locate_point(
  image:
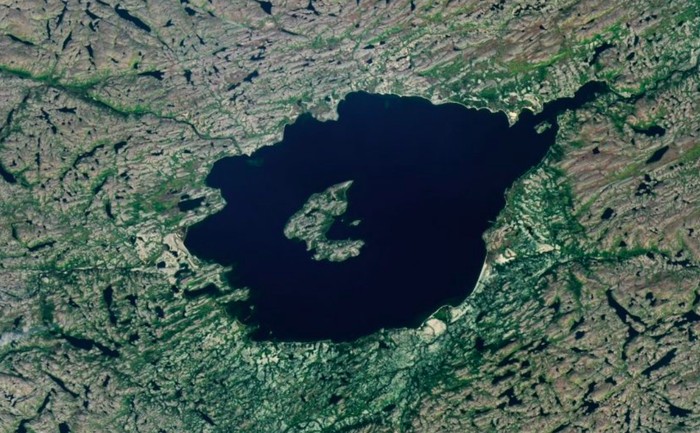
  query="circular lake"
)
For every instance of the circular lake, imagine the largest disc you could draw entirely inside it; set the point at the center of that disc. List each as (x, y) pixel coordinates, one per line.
(427, 181)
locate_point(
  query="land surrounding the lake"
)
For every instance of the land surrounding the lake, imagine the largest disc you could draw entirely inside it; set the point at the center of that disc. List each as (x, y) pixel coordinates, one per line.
(586, 317)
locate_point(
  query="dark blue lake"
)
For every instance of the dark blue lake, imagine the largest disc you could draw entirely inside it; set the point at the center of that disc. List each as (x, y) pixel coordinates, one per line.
(427, 182)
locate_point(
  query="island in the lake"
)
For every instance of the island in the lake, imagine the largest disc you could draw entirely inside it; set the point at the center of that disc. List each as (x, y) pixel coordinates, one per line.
(312, 222)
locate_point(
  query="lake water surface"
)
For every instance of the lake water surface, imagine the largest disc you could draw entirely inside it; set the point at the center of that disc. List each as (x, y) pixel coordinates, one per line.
(428, 180)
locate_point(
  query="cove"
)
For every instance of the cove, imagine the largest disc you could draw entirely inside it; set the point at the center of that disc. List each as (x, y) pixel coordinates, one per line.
(413, 187)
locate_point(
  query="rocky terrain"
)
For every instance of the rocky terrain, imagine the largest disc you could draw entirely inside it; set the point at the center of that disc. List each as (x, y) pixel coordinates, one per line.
(586, 316)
